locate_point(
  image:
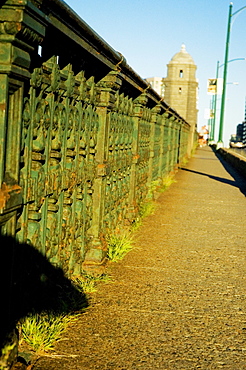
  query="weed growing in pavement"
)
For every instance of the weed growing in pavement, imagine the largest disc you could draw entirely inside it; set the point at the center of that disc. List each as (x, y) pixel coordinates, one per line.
(118, 246)
(148, 206)
(185, 161)
(166, 182)
(87, 283)
(5, 355)
(136, 224)
(160, 185)
(41, 331)
(146, 209)
(152, 188)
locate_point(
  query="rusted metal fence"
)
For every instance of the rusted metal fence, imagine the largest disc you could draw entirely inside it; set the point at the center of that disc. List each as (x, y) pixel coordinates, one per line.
(82, 135)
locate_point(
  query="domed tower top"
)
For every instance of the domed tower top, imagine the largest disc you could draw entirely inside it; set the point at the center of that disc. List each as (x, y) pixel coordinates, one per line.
(181, 86)
(182, 57)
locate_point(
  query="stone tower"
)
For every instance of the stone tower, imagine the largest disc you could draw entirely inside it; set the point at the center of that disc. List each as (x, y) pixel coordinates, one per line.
(181, 87)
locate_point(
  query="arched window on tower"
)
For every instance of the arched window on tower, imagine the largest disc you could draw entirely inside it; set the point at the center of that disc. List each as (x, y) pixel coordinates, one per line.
(180, 90)
(181, 73)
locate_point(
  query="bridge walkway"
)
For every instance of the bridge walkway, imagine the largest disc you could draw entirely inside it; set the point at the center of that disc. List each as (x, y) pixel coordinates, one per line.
(178, 300)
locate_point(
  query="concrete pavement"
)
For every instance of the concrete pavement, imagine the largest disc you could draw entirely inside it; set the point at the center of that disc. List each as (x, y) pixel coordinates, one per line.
(178, 300)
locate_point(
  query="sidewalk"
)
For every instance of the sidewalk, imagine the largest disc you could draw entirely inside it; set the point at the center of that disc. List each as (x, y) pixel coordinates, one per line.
(178, 300)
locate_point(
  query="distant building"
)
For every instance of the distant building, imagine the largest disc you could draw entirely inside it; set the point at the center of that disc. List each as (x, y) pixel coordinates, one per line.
(240, 130)
(244, 126)
(244, 132)
(181, 86)
(156, 84)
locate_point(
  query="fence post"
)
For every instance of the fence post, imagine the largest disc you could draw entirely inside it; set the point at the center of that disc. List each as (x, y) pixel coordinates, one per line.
(19, 37)
(139, 104)
(154, 151)
(107, 88)
(163, 148)
(176, 143)
(170, 143)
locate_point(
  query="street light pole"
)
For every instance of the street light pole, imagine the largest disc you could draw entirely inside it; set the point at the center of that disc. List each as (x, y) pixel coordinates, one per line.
(222, 110)
(215, 104)
(212, 136)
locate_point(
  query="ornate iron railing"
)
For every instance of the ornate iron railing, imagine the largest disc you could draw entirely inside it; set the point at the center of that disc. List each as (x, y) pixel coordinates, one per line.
(82, 135)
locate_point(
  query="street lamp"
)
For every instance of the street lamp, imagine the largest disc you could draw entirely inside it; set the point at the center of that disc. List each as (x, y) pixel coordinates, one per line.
(222, 110)
(214, 103)
(214, 100)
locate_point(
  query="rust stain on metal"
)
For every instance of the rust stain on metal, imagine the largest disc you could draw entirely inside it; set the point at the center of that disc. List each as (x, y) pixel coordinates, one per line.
(5, 192)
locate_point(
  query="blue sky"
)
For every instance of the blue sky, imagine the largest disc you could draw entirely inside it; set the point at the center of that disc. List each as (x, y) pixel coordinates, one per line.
(149, 32)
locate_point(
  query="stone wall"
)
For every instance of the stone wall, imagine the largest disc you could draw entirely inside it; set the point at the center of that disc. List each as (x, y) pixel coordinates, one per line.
(235, 159)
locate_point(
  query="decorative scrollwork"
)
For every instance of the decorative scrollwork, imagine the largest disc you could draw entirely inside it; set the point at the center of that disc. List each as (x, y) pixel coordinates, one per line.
(59, 145)
(10, 28)
(88, 152)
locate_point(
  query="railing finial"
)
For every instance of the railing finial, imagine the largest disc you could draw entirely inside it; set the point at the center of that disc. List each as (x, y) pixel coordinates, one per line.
(122, 59)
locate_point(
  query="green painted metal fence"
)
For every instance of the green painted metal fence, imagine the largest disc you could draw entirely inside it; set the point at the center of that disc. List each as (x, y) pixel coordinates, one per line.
(82, 135)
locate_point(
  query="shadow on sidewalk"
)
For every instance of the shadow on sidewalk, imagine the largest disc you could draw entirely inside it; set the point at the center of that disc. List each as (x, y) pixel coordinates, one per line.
(30, 284)
(239, 182)
(239, 179)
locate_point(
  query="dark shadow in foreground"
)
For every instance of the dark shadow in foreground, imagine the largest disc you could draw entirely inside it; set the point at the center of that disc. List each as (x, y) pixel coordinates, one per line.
(30, 284)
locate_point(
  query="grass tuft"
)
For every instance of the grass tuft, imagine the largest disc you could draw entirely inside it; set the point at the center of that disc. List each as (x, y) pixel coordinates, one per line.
(153, 187)
(87, 283)
(185, 161)
(136, 224)
(167, 181)
(147, 208)
(41, 331)
(119, 246)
